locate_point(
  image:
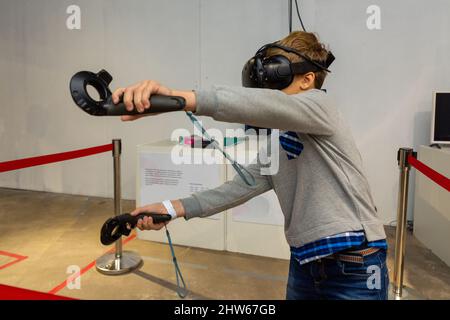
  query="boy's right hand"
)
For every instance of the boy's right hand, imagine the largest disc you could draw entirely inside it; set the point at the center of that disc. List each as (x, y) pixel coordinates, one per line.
(138, 96)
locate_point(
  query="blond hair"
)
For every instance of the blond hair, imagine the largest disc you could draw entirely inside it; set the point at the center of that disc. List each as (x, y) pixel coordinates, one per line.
(308, 44)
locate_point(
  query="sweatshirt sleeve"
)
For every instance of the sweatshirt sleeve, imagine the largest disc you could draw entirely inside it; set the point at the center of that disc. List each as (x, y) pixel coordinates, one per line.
(308, 112)
(230, 194)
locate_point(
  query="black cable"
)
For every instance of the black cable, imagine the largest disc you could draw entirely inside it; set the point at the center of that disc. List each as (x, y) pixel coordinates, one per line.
(290, 16)
(299, 17)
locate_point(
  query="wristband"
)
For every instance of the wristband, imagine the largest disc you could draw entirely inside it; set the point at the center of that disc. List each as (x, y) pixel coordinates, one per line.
(170, 210)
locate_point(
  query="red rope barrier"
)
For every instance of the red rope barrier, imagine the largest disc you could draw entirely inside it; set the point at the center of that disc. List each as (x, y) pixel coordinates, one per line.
(51, 158)
(441, 180)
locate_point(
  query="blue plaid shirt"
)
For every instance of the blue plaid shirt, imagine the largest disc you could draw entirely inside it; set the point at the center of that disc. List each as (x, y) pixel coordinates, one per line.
(321, 248)
(333, 244)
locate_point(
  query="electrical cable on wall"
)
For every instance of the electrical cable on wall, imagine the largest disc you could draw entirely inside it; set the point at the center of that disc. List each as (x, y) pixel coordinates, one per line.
(290, 15)
(298, 15)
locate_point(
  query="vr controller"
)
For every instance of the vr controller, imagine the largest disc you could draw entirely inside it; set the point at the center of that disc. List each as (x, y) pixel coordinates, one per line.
(105, 107)
(122, 225)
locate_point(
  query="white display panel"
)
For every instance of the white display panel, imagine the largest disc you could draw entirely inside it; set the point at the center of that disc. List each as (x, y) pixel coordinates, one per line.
(159, 178)
(432, 204)
(264, 209)
(257, 226)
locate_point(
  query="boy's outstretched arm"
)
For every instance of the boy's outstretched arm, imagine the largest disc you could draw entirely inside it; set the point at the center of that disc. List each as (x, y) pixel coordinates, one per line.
(206, 203)
(230, 194)
(307, 112)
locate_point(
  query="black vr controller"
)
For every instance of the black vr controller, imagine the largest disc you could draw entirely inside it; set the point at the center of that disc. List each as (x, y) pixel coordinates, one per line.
(122, 225)
(105, 107)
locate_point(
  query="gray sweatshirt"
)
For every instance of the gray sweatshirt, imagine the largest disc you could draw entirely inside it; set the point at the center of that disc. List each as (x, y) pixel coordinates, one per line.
(322, 192)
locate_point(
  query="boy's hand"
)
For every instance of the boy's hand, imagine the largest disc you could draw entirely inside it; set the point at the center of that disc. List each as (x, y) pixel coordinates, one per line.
(138, 96)
(147, 222)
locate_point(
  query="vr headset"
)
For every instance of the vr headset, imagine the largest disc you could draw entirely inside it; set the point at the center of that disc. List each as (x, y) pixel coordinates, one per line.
(277, 72)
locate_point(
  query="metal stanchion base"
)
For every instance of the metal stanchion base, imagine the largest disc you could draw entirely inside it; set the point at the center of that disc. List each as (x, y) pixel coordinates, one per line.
(110, 265)
(407, 294)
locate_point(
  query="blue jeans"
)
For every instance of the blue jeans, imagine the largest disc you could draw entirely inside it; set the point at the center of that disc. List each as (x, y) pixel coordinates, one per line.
(336, 280)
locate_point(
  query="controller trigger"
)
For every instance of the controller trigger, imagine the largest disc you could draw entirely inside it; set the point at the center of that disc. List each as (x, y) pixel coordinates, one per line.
(105, 76)
(122, 225)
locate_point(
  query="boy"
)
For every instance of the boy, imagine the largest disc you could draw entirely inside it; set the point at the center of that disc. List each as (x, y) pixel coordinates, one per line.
(338, 247)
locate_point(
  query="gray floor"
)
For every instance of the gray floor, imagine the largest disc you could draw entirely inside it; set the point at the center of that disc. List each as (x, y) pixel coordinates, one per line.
(55, 231)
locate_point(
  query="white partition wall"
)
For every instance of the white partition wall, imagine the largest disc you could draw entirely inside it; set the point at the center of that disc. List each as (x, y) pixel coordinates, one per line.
(193, 44)
(158, 179)
(432, 204)
(257, 226)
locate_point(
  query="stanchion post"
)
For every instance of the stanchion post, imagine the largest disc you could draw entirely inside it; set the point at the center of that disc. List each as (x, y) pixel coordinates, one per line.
(117, 151)
(400, 233)
(120, 261)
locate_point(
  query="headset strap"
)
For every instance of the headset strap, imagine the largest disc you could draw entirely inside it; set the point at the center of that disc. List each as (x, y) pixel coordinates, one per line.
(304, 67)
(319, 66)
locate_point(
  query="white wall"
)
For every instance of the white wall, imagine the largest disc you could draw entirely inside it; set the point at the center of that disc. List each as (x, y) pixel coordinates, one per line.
(382, 79)
(177, 42)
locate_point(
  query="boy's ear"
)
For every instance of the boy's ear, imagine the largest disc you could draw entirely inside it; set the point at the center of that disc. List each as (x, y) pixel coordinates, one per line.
(307, 80)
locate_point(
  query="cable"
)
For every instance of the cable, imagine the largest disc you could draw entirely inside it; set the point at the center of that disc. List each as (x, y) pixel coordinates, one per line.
(245, 175)
(290, 16)
(178, 274)
(299, 17)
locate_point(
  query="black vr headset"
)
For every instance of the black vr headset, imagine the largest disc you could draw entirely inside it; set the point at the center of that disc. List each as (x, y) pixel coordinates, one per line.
(277, 72)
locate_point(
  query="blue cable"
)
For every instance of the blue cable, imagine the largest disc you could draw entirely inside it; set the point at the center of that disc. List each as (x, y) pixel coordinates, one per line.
(178, 273)
(239, 169)
(245, 175)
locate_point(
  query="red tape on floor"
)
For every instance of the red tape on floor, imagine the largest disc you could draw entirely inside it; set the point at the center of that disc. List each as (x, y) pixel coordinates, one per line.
(438, 178)
(13, 293)
(71, 278)
(51, 158)
(17, 258)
